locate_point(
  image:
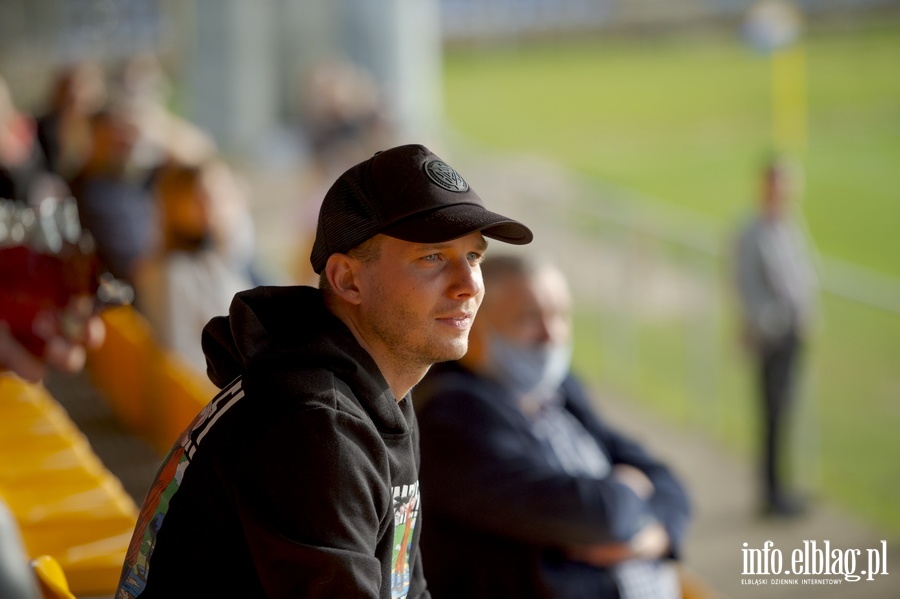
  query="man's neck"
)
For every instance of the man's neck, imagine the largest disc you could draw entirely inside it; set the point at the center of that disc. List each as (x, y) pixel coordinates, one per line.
(400, 377)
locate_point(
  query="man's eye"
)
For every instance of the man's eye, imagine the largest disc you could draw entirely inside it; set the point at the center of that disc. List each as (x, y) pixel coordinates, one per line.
(475, 257)
(431, 257)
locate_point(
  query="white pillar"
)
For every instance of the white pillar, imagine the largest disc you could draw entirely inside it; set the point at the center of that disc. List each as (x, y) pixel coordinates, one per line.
(231, 72)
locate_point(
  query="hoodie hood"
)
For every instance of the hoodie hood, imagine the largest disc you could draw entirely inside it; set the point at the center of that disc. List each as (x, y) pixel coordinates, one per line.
(283, 333)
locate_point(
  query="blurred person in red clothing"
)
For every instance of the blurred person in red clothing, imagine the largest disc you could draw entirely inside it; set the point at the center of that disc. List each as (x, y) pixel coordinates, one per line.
(50, 289)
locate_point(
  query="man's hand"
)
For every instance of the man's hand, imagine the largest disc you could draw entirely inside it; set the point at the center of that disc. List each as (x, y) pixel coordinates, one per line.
(652, 542)
(634, 479)
(67, 338)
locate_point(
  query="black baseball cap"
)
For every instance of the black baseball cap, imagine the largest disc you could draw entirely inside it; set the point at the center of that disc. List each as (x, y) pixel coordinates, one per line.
(408, 193)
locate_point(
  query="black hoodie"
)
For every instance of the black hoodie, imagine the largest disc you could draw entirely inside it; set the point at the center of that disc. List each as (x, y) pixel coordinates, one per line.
(300, 479)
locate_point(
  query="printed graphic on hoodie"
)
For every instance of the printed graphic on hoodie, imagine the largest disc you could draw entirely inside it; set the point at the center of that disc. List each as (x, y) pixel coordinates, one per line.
(406, 512)
(153, 512)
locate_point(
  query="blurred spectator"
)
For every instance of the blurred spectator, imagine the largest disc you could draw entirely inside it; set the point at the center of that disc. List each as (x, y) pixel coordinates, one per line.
(191, 278)
(41, 326)
(343, 115)
(24, 176)
(50, 290)
(143, 86)
(775, 283)
(233, 227)
(528, 492)
(344, 122)
(115, 202)
(64, 128)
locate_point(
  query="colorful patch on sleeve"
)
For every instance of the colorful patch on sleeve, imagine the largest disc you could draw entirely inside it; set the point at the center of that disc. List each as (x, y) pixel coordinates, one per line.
(136, 568)
(406, 512)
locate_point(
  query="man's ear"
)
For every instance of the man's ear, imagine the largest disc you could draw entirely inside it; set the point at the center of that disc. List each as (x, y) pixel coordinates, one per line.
(341, 271)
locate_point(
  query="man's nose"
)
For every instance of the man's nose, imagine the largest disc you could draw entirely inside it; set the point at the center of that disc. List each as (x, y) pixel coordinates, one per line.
(467, 281)
(544, 331)
(553, 328)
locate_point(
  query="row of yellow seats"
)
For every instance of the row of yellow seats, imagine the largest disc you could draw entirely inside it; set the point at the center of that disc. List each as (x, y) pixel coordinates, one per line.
(66, 503)
(152, 392)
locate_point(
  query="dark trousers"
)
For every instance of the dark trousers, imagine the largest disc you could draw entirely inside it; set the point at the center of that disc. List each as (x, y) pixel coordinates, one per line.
(778, 367)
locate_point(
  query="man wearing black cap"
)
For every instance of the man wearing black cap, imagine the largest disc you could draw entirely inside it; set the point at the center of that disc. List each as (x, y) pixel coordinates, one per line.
(300, 478)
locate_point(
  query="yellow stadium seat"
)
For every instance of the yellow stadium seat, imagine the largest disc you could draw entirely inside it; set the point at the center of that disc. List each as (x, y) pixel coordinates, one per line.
(153, 392)
(28, 409)
(120, 368)
(94, 568)
(693, 586)
(52, 581)
(181, 393)
(66, 504)
(61, 465)
(78, 499)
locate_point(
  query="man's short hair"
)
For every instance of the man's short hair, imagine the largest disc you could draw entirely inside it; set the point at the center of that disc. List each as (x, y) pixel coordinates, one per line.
(366, 252)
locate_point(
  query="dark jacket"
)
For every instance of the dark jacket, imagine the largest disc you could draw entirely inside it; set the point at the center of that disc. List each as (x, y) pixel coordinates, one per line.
(499, 511)
(300, 479)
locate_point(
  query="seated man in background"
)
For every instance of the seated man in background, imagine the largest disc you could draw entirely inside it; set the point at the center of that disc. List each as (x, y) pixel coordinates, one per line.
(528, 492)
(190, 278)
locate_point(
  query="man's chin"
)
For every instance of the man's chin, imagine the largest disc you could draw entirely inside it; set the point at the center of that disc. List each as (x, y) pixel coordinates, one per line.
(452, 351)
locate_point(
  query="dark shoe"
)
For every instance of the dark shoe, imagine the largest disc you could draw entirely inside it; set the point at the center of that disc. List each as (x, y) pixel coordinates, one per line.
(785, 507)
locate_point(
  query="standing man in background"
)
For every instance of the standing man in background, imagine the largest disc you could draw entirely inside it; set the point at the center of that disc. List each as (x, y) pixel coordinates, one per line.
(776, 284)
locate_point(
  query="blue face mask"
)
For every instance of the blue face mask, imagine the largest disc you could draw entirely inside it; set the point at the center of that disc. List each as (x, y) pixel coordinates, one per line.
(532, 373)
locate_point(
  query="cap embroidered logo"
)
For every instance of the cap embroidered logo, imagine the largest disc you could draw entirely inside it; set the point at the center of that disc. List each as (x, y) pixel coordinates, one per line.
(445, 176)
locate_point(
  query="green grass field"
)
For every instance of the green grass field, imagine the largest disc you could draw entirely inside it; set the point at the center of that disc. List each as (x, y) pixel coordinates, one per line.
(688, 121)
